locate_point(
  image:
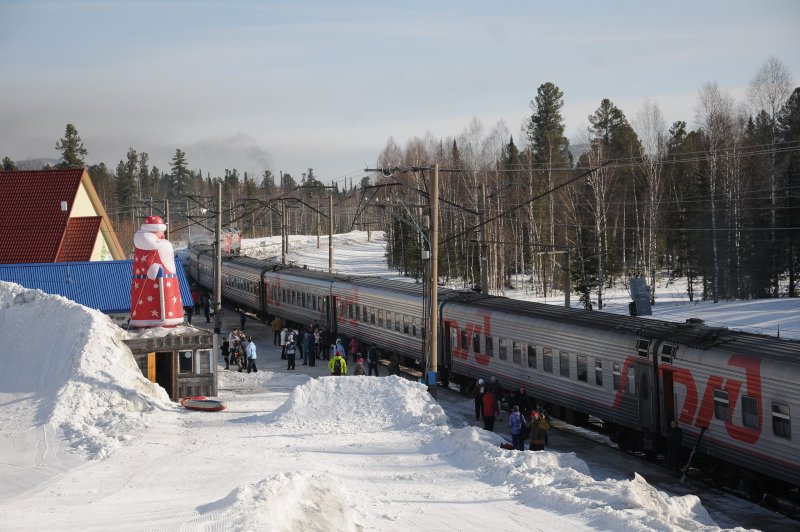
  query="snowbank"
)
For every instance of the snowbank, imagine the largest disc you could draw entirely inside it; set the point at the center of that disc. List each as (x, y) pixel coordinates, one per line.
(77, 374)
(563, 483)
(354, 405)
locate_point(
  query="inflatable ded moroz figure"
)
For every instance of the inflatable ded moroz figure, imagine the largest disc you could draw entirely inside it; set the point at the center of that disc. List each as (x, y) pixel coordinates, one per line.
(155, 293)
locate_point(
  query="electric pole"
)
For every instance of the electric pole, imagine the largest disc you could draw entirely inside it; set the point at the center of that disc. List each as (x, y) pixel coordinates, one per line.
(330, 233)
(433, 326)
(483, 246)
(218, 263)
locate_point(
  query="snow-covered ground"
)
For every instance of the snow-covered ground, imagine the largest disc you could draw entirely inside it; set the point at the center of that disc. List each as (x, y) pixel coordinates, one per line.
(87, 443)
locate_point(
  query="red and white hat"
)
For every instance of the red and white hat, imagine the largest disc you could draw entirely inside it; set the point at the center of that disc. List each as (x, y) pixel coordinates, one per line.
(154, 224)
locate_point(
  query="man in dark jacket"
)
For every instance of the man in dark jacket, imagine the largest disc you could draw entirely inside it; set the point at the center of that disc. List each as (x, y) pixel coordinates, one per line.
(372, 360)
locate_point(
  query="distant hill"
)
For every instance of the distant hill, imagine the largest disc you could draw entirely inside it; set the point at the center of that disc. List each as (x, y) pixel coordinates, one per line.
(36, 164)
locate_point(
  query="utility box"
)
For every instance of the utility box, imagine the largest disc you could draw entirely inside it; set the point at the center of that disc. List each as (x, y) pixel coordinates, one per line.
(640, 292)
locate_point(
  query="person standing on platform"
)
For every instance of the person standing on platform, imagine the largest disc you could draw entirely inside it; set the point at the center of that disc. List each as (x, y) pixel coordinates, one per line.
(250, 350)
(277, 325)
(489, 406)
(242, 319)
(308, 342)
(478, 392)
(337, 365)
(372, 360)
(291, 350)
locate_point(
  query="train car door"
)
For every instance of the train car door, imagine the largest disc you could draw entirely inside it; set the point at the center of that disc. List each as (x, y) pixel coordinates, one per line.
(330, 313)
(648, 401)
(668, 399)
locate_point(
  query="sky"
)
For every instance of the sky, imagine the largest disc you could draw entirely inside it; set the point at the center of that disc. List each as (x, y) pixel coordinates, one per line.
(292, 85)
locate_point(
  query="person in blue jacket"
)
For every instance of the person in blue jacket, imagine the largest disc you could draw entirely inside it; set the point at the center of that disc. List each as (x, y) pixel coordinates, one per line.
(250, 351)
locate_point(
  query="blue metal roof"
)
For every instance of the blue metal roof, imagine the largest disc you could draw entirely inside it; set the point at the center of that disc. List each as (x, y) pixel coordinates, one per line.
(102, 285)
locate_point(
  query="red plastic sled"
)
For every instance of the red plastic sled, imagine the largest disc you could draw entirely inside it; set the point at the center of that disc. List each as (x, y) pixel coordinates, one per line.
(203, 403)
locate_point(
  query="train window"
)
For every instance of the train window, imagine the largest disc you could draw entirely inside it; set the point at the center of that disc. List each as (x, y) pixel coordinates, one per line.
(283, 295)
(502, 344)
(781, 422)
(598, 371)
(721, 405)
(476, 342)
(464, 344)
(615, 371)
(406, 324)
(583, 371)
(531, 356)
(389, 320)
(372, 316)
(417, 327)
(517, 352)
(314, 303)
(358, 312)
(632, 381)
(303, 300)
(490, 347)
(667, 353)
(380, 318)
(642, 347)
(750, 412)
(453, 339)
(547, 360)
(563, 364)
(365, 314)
(397, 323)
(350, 311)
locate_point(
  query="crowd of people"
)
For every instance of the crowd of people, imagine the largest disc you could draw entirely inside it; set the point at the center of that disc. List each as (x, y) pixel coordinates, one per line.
(527, 421)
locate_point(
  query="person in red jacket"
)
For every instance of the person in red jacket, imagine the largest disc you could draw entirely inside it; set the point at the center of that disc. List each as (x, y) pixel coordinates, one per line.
(489, 410)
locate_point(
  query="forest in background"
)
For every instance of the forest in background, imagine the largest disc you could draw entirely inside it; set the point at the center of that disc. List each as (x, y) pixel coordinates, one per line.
(718, 204)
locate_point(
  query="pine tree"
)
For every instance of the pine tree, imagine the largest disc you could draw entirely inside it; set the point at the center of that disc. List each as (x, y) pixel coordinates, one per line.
(8, 164)
(71, 148)
(180, 175)
(789, 162)
(267, 184)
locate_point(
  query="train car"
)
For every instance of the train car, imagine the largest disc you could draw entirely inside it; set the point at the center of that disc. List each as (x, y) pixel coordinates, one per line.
(300, 296)
(740, 391)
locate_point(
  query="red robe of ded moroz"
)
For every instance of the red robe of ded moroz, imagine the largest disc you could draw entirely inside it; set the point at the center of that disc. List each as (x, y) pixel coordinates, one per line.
(155, 293)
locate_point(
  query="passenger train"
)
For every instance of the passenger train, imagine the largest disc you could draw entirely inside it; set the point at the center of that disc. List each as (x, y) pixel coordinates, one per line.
(735, 395)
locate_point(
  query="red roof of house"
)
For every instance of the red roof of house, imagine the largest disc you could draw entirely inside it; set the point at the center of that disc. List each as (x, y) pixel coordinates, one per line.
(32, 224)
(79, 239)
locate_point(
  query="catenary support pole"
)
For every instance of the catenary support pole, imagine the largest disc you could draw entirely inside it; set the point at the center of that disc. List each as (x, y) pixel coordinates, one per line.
(218, 263)
(433, 326)
(330, 233)
(484, 247)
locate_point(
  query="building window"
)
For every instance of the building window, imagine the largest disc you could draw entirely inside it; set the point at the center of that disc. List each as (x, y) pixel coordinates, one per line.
(503, 348)
(583, 372)
(531, 356)
(750, 412)
(721, 405)
(547, 360)
(563, 363)
(489, 346)
(185, 361)
(598, 371)
(615, 371)
(781, 422)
